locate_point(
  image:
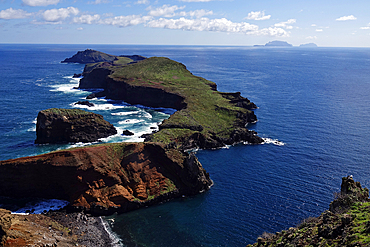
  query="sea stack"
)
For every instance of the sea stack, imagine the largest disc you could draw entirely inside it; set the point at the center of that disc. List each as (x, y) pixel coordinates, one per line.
(71, 126)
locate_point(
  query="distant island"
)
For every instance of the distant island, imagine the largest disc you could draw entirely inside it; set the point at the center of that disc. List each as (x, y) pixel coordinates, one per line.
(277, 43)
(308, 45)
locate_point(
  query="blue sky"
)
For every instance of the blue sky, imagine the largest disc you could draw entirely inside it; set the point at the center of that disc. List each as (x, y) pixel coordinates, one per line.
(186, 22)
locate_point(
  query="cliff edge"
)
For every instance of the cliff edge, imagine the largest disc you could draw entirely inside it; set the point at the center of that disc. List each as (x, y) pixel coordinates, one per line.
(346, 223)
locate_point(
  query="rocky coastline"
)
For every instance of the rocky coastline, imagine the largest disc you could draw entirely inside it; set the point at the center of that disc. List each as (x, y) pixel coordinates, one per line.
(107, 178)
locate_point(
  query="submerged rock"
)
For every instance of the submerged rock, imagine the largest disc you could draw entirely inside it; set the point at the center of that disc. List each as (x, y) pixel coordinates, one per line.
(87, 103)
(127, 133)
(71, 125)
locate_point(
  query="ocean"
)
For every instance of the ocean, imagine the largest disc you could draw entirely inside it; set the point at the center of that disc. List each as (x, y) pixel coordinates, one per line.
(313, 112)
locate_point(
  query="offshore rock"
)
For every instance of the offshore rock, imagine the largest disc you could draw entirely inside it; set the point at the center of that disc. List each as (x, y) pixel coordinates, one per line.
(106, 178)
(86, 103)
(71, 125)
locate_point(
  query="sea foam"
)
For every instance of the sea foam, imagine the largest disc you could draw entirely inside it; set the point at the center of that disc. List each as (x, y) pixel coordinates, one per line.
(273, 141)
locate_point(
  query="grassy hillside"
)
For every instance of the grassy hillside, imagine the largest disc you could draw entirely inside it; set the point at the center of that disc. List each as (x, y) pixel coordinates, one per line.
(207, 110)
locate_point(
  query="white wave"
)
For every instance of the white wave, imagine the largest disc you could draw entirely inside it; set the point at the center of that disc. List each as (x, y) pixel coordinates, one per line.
(131, 121)
(273, 141)
(80, 144)
(33, 129)
(147, 114)
(115, 240)
(67, 88)
(41, 206)
(125, 113)
(99, 107)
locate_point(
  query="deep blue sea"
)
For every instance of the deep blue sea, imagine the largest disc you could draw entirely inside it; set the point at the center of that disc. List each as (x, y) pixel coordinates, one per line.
(313, 110)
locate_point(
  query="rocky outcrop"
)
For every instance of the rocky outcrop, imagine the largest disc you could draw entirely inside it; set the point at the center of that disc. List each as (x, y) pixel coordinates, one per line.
(71, 125)
(86, 103)
(346, 223)
(95, 79)
(106, 178)
(239, 101)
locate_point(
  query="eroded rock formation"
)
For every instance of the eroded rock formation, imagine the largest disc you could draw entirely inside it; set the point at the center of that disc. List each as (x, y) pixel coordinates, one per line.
(106, 178)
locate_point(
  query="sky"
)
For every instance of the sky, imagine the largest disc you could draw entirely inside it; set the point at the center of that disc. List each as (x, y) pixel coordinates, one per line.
(333, 23)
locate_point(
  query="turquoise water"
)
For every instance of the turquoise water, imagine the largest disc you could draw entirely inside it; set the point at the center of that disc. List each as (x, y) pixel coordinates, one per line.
(313, 108)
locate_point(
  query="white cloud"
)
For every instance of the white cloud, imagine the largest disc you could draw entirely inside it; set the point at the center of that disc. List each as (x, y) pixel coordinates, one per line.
(258, 16)
(319, 30)
(286, 24)
(193, 1)
(56, 15)
(216, 25)
(86, 19)
(14, 14)
(346, 18)
(99, 2)
(40, 2)
(142, 2)
(165, 10)
(196, 13)
(365, 28)
(313, 25)
(203, 24)
(311, 37)
(80, 29)
(125, 21)
(271, 31)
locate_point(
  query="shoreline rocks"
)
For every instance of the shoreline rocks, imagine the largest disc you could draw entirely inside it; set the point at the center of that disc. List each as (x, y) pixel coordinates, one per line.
(52, 229)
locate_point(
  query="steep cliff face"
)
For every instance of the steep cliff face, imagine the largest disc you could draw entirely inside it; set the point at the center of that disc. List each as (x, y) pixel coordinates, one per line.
(346, 223)
(71, 125)
(106, 178)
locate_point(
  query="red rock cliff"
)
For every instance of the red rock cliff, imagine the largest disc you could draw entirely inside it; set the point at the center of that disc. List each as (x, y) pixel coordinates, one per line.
(106, 178)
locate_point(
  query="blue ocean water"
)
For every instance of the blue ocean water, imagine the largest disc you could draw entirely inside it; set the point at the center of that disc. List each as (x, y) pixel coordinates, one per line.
(313, 109)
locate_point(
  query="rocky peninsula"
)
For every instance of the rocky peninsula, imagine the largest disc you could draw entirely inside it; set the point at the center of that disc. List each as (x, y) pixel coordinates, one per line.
(205, 117)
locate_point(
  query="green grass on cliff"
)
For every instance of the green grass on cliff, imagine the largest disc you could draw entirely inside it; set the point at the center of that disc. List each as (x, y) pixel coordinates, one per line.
(66, 112)
(205, 107)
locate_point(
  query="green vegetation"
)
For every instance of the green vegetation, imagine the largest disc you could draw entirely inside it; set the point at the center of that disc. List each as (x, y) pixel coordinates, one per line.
(207, 111)
(66, 112)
